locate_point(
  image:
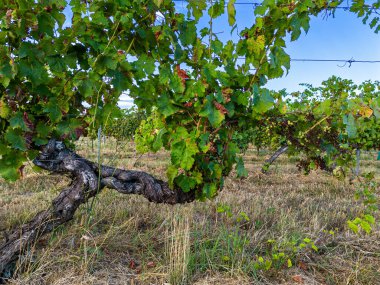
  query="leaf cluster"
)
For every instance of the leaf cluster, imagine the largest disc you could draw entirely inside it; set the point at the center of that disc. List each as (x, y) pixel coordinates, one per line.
(62, 78)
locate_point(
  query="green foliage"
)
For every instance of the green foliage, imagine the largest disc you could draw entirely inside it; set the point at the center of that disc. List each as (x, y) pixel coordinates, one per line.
(61, 82)
(125, 125)
(368, 194)
(273, 255)
(365, 11)
(325, 125)
(148, 136)
(231, 12)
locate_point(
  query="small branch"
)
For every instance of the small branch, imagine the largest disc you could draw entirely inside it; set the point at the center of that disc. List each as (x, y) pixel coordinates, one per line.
(316, 124)
(210, 35)
(269, 161)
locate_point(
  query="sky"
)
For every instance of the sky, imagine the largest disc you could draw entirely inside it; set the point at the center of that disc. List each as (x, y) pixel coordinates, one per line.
(341, 37)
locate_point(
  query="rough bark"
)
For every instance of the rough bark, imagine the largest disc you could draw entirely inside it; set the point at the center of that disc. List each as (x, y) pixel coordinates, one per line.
(274, 156)
(88, 178)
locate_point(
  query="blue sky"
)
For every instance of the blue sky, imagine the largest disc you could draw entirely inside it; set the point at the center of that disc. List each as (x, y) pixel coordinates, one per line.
(341, 37)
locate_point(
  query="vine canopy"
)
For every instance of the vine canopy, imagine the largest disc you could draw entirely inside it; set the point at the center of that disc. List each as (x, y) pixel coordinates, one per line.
(61, 81)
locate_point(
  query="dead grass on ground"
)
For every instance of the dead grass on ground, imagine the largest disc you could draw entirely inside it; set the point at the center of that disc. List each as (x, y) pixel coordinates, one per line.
(127, 240)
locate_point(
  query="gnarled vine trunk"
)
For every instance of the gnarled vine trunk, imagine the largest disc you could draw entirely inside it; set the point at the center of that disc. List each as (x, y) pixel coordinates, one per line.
(88, 179)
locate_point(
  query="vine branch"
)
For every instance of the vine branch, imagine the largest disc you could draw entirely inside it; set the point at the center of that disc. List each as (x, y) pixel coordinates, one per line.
(88, 179)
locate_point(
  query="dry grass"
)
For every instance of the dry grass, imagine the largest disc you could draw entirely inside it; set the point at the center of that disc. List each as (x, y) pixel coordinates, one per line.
(177, 246)
(127, 240)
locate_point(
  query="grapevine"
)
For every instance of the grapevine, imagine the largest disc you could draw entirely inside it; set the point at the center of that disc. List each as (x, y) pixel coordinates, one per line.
(59, 82)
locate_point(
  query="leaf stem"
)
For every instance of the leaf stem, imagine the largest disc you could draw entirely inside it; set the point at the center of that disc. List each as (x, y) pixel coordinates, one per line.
(316, 124)
(210, 35)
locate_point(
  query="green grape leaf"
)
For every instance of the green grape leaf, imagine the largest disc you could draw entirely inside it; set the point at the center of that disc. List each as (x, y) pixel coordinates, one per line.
(46, 24)
(216, 9)
(171, 173)
(104, 63)
(262, 102)
(366, 226)
(34, 70)
(157, 143)
(17, 122)
(185, 182)
(255, 46)
(5, 111)
(59, 17)
(231, 12)
(86, 88)
(5, 74)
(243, 98)
(15, 138)
(216, 170)
(260, 10)
(56, 63)
(158, 2)
(214, 115)
(203, 144)
(350, 123)
(370, 219)
(240, 169)
(165, 106)
(209, 190)
(176, 84)
(188, 33)
(353, 226)
(196, 7)
(53, 110)
(182, 153)
(9, 165)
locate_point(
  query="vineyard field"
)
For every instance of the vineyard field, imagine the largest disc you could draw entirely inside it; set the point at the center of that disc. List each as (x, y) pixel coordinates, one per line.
(282, 227)
(234, 181)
